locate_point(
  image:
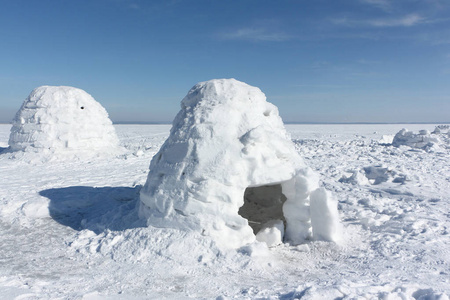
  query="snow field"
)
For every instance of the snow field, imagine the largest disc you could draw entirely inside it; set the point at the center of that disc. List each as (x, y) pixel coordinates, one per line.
(67, 228)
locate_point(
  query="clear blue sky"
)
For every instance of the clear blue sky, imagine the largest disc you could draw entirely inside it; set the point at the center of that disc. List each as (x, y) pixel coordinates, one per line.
(318, 61)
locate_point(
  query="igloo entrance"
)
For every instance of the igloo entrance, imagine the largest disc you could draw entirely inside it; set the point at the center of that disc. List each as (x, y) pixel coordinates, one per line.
(263, 204)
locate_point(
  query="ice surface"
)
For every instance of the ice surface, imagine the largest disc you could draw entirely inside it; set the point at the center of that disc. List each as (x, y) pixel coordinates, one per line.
(66, 229)
(227, 138)
(60, 119)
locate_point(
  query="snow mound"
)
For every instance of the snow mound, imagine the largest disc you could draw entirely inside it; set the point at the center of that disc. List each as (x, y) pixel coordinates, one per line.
(374, 175)
(271, 233)
(226, 142)
(62, 119)
(439, 138)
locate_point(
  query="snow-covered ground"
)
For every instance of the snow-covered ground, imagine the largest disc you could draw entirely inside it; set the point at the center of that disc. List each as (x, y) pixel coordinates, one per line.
(69, 229)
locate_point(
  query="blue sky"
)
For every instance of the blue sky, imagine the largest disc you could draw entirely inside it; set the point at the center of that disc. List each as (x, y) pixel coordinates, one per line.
(318, 61)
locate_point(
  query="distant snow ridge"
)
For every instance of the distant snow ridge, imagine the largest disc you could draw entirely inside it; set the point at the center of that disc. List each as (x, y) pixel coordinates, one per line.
(439, 138)
(58, 119)
(230, 171)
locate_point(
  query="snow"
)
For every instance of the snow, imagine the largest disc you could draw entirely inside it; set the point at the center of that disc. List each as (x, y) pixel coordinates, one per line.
(324, 216)
(56, 120)
(68, 228)
(271, 233)
(225, 139)
(434, 141)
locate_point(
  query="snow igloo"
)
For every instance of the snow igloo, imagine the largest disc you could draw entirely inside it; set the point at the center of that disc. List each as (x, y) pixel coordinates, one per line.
(62, 119)
(230, 171)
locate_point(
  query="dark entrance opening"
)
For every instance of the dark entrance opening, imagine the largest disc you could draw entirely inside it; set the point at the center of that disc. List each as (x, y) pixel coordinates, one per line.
(262, 204)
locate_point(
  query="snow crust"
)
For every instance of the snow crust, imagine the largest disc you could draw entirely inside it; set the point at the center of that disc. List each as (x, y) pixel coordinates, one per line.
(61, 119)
(227, 138)
(69, 229)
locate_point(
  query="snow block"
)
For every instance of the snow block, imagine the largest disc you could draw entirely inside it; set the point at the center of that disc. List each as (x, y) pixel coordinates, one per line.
(425, 140)
(229, 167)
(62, 119)
(271, 233)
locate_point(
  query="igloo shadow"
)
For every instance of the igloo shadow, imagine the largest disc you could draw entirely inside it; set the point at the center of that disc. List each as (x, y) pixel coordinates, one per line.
(94, 208)
(229, 170)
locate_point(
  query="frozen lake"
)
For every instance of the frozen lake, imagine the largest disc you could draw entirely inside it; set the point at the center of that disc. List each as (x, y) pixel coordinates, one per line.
(65, 230)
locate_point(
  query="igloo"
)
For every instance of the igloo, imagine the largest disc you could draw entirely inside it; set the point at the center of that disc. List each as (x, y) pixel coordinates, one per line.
(230, 171)
(62, 119)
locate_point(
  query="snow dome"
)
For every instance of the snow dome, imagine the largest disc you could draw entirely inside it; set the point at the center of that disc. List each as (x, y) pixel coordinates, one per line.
(230, 171)
(62, 119)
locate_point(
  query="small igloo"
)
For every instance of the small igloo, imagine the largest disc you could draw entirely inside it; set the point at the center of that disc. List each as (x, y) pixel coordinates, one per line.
(59, 119)
(230, 171)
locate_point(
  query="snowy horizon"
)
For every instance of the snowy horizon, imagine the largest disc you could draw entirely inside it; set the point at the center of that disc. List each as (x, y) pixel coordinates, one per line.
(289, 123)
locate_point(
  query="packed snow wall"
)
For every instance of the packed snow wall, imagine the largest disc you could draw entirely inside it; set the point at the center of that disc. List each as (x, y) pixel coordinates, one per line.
(62, 118)
(228, 141)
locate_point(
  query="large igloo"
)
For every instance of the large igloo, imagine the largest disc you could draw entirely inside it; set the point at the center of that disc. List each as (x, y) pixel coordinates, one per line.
(230, 171)
(62, 119)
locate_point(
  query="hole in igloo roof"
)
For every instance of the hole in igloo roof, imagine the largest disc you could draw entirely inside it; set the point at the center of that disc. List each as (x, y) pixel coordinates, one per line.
(263, 204)
(82, 107)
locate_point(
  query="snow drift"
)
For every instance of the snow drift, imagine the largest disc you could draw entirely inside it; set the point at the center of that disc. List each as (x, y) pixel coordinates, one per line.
(59, 119)
(436, 140)
(230, 171)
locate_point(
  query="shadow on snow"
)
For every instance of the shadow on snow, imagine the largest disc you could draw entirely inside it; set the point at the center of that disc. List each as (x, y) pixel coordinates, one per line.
(95, 208)
(3, 149)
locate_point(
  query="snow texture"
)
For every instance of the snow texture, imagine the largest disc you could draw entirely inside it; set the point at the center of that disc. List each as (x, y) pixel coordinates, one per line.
(271, 233)
(69, 229)
(434, 141)
(225, 139)
(61, 119)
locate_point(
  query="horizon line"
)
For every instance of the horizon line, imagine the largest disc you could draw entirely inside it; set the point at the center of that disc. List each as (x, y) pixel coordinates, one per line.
(288, 123)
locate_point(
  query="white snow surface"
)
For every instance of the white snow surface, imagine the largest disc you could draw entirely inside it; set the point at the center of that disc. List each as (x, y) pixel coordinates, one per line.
(68, 229)
(227, 138)
(62, 120)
